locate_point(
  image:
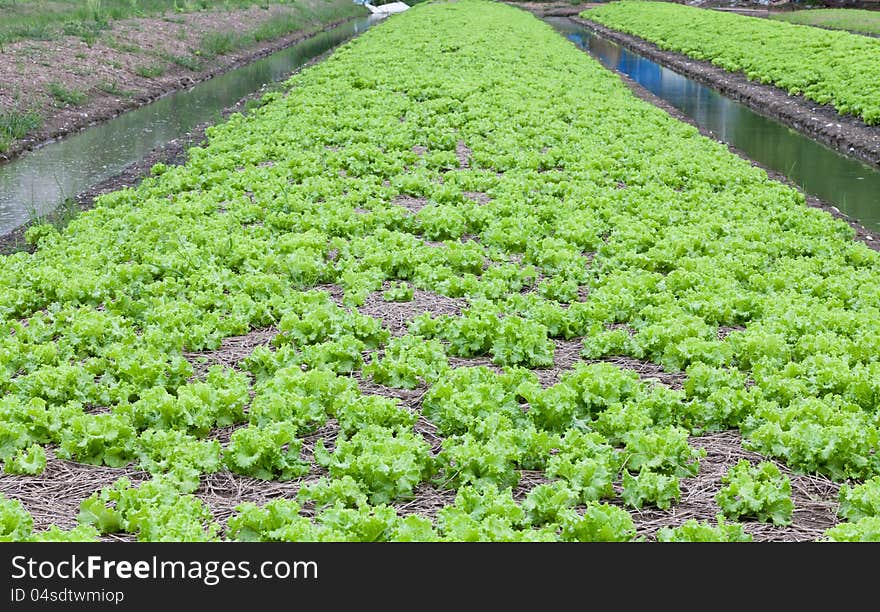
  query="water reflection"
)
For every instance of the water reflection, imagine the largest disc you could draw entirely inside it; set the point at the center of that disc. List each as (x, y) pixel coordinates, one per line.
(844, 182)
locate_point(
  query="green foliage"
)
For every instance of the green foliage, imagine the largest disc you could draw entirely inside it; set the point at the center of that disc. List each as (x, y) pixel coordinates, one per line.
(650, 487)
(375, 410)
(98, 439)
(759, 491)
(270, 452)
(16, 523)
(662, 450)
(156, 511)
(30, 460)
(701, 531)
(487, 514)
(281, 226)
(181, 456)
(220, 43)
(150, 72)
(547, 503)
(16, 124)
(64, 95)
(587, 463)
(821, 435)
(325, 492)
(281, 521)
(398, 292)
(269, 523)
(860, 501)
(598, 523)
(38, 232)
(388, 463)
(198, 406)
(854, 20)
(866, 529)
(312, 318)
(408, 362)
(467, 396)
(510, 340)
(80, 533)
(302, 398)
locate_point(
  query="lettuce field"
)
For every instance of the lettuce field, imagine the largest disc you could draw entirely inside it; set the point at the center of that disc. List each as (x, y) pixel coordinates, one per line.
(455, 282)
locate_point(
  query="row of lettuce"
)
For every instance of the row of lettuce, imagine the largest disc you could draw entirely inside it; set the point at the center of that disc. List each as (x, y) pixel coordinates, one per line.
(557, 206)
(828, 67)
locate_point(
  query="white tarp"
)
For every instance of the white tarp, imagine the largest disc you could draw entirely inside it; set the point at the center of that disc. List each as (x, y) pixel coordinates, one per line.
(391, 7)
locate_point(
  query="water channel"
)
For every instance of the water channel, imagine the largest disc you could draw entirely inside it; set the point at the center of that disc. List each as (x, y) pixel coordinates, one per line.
(38, 181)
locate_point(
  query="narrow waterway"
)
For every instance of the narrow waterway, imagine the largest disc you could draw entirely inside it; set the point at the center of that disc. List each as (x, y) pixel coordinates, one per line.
(38, 181)
(846, 183)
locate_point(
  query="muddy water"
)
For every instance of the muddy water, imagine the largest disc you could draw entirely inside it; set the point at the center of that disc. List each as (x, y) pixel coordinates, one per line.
(39, 181)
(846, 183)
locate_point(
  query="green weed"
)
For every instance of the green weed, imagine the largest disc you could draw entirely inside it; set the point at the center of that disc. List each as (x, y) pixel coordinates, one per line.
(66, 96)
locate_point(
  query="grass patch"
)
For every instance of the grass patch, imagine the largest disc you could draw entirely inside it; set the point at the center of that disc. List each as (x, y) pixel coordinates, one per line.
(854, 20)
(46, 19)
(184, 61)
(220, 43)
(112, 88)
(16, 124)
(66, 96)
(88, 31)
(124, 47)
(278, 27)
(150, 72)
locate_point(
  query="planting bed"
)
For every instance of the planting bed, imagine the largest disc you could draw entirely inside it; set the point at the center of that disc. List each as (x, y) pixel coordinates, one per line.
(456, 282)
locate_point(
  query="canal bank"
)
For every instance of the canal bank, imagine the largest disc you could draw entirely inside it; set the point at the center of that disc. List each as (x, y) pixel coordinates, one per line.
(823, 123)
(65, 177)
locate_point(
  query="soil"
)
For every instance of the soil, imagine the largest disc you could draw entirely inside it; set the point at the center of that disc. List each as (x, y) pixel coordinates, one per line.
(845, 133)
(28, 67)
